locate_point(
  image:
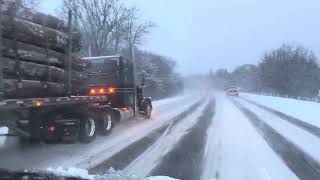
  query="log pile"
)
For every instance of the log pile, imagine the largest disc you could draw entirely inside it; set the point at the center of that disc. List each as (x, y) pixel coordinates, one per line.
(34, 54)
(29, 88)
(32, 16)
(35, 34)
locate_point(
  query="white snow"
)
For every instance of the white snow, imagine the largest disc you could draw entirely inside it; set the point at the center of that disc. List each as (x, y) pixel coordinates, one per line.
(303, 110)
(304, 140)
(152, 156)
(3, 130)
(160, 178)
(169, 100)
(129, 133)
(235, 150)
(110, 175)
(71, 171)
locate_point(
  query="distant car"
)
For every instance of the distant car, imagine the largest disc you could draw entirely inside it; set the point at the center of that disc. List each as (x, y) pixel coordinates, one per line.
(232, 92)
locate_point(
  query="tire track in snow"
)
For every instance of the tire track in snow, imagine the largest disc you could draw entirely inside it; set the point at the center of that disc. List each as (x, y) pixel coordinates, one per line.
(184, 161)
(301, 163)
(297, 122)
(123, 158)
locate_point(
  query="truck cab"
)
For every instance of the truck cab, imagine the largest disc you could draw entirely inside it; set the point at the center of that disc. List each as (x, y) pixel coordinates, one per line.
(113, 76)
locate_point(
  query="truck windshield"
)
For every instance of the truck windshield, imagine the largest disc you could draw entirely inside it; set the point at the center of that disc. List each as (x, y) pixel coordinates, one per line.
(103, 72)
(103, 67)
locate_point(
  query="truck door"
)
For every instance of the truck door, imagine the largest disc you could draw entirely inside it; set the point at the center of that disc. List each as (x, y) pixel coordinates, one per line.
(127, 81)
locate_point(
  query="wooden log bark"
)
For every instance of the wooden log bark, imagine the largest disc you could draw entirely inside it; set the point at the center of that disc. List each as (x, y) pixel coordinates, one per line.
(33, 71)
(33, 16)
(32, 53)
(35, 34)
(32, 89)
(36, 54)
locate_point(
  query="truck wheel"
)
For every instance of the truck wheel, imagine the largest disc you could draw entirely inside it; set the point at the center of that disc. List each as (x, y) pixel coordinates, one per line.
(148, 111)
(87, 129)
(108, 124)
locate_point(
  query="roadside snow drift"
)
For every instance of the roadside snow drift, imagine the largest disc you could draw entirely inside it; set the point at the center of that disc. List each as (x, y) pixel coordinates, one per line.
(110, 175)
(303, 110)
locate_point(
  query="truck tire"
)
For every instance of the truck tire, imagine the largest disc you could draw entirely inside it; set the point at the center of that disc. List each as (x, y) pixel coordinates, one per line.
(107, 124)
(147, 111)
(88, 129)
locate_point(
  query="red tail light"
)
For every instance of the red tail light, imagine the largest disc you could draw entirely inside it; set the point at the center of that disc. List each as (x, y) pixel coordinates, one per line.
(38, 103)
(52, 129)
(92, 91)
(111, 90)
(101, 91)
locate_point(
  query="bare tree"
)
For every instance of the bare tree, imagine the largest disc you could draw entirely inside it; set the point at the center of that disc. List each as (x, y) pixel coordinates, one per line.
(107, 25)
(97, 19)
(30, 3)
(137, 28)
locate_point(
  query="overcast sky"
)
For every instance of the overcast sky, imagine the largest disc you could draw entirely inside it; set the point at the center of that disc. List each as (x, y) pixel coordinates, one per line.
(211, 34)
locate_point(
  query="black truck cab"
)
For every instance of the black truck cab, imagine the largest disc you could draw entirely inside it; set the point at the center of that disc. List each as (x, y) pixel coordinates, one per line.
(111, 76)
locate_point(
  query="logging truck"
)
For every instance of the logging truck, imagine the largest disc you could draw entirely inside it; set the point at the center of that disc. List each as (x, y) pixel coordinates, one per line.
(109, 97)
(46, 93)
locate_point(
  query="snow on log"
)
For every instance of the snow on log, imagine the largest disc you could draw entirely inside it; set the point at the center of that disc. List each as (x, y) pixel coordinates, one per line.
(31, 53)
(29, 70)
(39, 55)
(35, 34)
(33, 71)
(34, 16)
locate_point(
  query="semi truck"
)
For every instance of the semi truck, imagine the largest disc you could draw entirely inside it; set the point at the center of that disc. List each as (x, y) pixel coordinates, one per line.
(48, 94)
(110, 96)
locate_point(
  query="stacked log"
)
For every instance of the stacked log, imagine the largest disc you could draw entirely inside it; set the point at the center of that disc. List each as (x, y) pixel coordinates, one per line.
(35, 17)
(31, 53)
(33, 71)
(15, 89)
(34, 54)
(35, 34)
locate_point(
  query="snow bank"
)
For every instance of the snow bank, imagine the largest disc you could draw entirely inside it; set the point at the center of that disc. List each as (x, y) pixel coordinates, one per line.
(160, 178)
(303, 110)
(110, 175)
(3, 130)
(83, 173)
(169, 100)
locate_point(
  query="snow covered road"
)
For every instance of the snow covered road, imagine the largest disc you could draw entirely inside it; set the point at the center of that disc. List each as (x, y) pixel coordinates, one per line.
(217, 138)
(41, 156)
(288, 142)
(295, 141)
(235, 150)
(303, 110)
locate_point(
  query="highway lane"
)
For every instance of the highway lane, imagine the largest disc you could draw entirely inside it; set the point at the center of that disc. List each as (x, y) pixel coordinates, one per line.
(41, 156)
